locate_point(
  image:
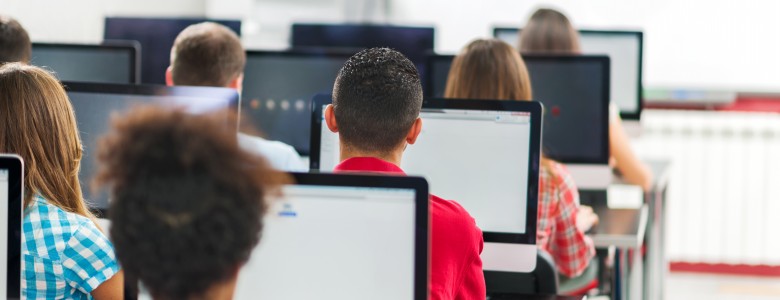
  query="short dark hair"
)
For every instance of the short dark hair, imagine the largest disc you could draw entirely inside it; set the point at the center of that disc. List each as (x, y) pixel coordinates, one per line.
(376, 99)
(15, 45)
(187, 202)
(207, 54)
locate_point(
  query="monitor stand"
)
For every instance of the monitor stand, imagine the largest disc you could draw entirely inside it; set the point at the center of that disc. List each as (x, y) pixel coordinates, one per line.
(507, 257)
(590, 176)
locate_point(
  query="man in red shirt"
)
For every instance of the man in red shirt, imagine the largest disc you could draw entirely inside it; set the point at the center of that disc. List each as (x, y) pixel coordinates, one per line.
(377, 99)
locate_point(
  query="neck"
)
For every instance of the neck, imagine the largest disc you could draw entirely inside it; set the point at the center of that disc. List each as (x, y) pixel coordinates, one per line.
(393, 157)
(221, 291)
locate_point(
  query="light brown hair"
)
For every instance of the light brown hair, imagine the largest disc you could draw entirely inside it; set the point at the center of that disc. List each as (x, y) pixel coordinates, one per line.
(207, 54)
(37, 123)
(488, 69)
(549, 31)
(15, 45)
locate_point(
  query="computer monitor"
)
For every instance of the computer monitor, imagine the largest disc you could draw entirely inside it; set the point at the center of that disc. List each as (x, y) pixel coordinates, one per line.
(484, 155)
(624, 49)
(110, 62)
(278, 86)
(11, 197)
(156, 36)
(94, 105)
(342, 237)
(575, 91)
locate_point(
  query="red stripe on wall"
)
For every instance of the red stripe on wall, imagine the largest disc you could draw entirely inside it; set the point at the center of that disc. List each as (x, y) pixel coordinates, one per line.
(750, 270)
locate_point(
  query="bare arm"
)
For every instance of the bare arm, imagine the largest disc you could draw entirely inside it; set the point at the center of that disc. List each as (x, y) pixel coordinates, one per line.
(111, 289)
(629, 165)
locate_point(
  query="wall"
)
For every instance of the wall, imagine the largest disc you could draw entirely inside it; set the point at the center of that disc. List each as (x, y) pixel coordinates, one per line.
(717, 44)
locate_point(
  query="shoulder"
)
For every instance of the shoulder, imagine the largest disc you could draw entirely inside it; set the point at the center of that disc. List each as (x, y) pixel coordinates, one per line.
(49, 229)
(555, 179)
(453, 215)
(280, 155)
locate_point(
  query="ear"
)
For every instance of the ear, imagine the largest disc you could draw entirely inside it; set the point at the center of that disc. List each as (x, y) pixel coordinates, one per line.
(237, 83)
(169, 76)
(414, 132)
(330, 119)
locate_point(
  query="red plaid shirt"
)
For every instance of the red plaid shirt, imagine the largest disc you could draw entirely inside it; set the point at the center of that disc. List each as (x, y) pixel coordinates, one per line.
(557, 231)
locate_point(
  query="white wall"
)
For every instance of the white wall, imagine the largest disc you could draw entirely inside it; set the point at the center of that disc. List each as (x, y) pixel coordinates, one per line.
(82, 20)
(716, 44)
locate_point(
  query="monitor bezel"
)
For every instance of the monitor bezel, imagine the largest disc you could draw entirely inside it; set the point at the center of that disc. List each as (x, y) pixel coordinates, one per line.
(534, 156)
(134, 47)
(15, 166)
(603, 157)
(635, 115)
(422, 214)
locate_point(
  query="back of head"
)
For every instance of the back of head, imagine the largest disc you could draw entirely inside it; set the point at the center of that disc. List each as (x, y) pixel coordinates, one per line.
(549, 31)
(488, 69)
(37, 122)
(376, 99)
(187, 202)
(15, 45)
(207, 54)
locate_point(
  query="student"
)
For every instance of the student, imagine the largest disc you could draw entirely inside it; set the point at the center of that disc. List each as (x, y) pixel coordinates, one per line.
(187, 202)
(377, 100)
(64, 254)
(549, 31)
(15, 45)
(492, 69)
(210, 54)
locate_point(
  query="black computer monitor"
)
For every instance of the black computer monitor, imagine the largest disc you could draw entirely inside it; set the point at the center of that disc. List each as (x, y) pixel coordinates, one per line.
(624, 49)
(278, 87)
(156, 36)
(460, 138)
(11, 199)
(110, 62)
(342, 237)
(414, 42)
(94, 104)
(575, 91)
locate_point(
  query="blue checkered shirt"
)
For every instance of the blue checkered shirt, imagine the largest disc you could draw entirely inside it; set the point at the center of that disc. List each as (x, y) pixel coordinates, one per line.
(64, 255)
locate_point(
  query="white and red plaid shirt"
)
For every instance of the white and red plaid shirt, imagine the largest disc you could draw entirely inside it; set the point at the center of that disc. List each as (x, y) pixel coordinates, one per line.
(557, 231)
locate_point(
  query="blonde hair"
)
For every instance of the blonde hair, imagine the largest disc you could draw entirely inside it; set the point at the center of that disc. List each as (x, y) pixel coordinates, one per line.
(37, 123)
(549, 31)
(488, 69)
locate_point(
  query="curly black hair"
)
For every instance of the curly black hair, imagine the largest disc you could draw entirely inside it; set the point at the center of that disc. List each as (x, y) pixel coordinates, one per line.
(187, 202)
(376, 99)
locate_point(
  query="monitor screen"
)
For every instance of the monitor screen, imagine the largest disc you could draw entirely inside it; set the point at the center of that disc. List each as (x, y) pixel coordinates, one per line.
(11, 194)
(339, 242)
(624, 49)
(114, 63)
(277, 92)
(95, 104)
(575, 93)
(4, 198)
(156, 36)
(452, 151)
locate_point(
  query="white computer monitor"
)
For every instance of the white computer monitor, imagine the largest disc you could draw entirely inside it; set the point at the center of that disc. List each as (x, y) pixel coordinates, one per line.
(11, 193)
(484, 155)
(342, 237)
(624, 49)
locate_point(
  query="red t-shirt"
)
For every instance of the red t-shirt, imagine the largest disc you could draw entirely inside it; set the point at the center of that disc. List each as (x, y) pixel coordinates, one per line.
(456, 241)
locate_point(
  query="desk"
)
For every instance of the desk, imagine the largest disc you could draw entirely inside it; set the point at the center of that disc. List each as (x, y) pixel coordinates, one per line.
(631, 229)
(656, 265)
(623, 228)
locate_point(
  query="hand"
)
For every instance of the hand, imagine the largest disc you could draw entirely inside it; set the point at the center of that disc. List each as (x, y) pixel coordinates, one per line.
(586, 218)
